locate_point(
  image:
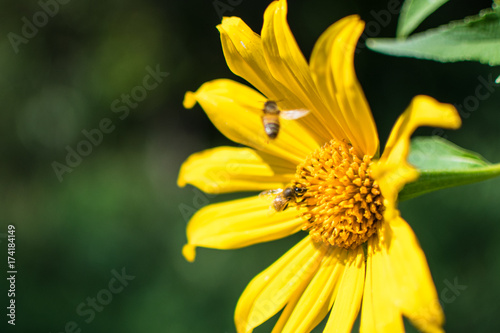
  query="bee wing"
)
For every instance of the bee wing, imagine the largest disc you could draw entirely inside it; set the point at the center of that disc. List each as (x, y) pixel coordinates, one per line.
(293, 114)
(270, 193)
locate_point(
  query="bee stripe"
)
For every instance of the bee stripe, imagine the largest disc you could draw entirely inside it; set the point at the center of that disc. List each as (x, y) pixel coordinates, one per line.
(272, 130)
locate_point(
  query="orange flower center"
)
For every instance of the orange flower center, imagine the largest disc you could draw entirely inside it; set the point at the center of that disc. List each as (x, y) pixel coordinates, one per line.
(344, 203)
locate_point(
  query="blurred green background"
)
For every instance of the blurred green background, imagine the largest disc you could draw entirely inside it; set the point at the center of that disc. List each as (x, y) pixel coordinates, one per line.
(118, 209)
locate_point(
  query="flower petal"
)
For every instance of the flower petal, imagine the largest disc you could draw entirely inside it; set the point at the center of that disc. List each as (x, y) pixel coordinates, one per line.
(346, 306)
(392, 171)
(230, 169)
(239, 223)
(379, 313)
(236, 110)
(288, 66)
(416, 294)
(332, 67)
(269, 291)
(245, 57)
(313, 303)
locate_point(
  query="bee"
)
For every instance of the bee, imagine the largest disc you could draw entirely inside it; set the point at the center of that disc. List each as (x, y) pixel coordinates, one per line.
(284, 197)
(272, 114)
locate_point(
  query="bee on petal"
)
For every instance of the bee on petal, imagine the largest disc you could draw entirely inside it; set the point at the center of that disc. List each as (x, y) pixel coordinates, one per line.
(272, 114)
(283, 197)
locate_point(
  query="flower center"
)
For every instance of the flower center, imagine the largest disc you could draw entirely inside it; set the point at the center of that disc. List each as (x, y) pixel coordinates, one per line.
(345, 206)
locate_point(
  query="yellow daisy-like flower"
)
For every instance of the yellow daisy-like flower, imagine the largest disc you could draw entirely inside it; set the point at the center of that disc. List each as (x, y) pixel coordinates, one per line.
(359, 252)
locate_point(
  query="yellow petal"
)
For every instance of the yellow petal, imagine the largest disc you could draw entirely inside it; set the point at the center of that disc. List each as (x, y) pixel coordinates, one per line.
(313, 303)
(392, 171)
(288, 66)
(346, 306)
(245, 57)
(332, 67)
(236, 110)
(416, 295)
(230, 169)
(378, 312)
(290, 306)
(239, 223)
(269, 291)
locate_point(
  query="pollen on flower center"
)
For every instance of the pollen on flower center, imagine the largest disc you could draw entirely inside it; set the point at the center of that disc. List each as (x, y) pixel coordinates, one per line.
(344, 203)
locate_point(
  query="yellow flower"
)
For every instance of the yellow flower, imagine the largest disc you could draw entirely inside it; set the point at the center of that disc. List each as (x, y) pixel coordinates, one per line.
(358, 253)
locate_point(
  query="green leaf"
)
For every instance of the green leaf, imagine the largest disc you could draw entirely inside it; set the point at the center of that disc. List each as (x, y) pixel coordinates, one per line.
(475, 38)
(442, 164)
(414, 12)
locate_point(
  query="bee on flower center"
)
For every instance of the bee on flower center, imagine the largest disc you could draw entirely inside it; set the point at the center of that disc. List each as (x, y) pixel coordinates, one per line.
(271, 117)
(284, 197)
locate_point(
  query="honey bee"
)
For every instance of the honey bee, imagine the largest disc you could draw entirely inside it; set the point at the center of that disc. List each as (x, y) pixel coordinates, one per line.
(284, 197)
(272, 114)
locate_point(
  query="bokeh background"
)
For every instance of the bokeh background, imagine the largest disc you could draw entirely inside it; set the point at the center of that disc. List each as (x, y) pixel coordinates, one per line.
(119, 207)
